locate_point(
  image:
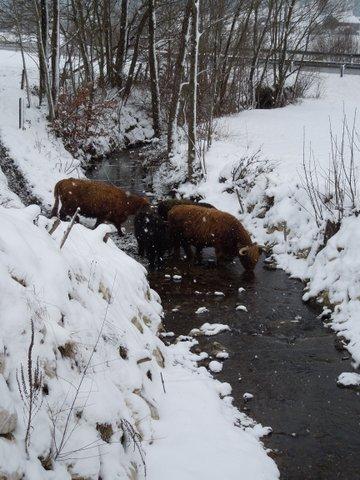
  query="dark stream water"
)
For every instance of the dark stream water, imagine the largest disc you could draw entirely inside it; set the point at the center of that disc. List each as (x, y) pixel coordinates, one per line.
(279, 351)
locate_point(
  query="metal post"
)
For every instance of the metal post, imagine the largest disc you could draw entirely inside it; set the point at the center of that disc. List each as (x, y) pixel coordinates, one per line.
(23, 79)
(20, 113)
(342, 70)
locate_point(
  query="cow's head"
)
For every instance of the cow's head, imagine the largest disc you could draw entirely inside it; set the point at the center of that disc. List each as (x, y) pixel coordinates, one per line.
(249, 256)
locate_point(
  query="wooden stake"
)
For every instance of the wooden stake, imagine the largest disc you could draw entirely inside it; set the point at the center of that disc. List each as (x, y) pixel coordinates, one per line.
(66, 234)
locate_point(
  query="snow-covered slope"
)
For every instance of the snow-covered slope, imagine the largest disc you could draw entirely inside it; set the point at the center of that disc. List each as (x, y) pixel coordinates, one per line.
(94, 319)
(80, 356)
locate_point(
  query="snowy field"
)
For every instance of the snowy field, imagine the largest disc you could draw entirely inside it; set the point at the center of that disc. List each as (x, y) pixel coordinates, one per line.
(85, 398)
(281, 136)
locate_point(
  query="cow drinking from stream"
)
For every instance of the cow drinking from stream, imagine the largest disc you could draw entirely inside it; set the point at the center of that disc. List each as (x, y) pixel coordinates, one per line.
(203, 227)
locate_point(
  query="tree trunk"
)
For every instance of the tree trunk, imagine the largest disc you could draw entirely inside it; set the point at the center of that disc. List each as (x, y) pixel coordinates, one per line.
(177, 84)
(55, 53)
(42, 12)
(79, 22)
(153, 67)
(130, 78)
(195, 5)
(121, 47)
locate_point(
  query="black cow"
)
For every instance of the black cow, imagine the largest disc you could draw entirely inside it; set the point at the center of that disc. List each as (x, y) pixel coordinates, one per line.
(164, 206)
(152, 235)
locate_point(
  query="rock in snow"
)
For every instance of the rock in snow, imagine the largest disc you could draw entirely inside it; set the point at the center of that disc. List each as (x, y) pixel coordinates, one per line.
(213, 328)
(349, 379)
(215, 366)
(248, 396)
(201, 310)
(241, 308)
(8, 416)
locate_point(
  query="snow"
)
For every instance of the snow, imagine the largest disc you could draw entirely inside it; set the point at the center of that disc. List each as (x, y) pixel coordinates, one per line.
(241, 308)
(42, 157)
(349, 379)
(210, 329)
(219, 294)
(201, 310)
(222, 355)
(248, 396)
(8, 416)
(215, 366)
(203, 452)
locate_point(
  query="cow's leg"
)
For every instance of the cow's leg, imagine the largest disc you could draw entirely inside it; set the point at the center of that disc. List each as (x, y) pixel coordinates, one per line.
(151, 256)
(187, 249)
(63, 214)
(219, 256)
(176, 247)
(141, 248)
(198, 254)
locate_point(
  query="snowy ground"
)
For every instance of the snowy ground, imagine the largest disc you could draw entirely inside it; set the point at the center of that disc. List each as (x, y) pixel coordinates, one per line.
(41, 157)
(100, 409)
(280, 136)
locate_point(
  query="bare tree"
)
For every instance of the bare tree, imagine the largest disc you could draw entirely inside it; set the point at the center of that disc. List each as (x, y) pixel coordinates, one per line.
(178, 79)
(193, 87)
(121, 47)
(153, 67)
(55, 52)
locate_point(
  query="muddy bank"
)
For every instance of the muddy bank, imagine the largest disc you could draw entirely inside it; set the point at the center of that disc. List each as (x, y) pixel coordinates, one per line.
(279, 351)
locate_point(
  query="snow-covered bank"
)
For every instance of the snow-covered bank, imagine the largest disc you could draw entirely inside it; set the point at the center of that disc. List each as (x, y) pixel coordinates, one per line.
(277, 208)
(215, 448)
(99, 408)
(41, 157)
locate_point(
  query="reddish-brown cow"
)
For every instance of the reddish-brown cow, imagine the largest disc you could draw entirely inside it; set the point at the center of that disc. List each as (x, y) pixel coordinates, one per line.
(204, 227)
(97, 200)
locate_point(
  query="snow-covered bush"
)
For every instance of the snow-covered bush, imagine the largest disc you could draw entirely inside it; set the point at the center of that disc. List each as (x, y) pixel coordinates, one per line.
(93, 123)
(333, 192)
(243, 175)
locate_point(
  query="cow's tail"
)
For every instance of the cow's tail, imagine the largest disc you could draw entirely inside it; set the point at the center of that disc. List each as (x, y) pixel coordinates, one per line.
(55, 209)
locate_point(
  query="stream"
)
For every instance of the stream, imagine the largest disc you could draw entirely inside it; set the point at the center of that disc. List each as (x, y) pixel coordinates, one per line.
(280, 351)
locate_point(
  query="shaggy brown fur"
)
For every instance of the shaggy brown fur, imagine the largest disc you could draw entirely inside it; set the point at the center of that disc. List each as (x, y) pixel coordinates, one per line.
(203, 227)
(165, 206)
(97, 200)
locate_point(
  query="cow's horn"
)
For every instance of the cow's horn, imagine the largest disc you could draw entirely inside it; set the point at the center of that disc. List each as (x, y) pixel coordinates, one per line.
(243, 251)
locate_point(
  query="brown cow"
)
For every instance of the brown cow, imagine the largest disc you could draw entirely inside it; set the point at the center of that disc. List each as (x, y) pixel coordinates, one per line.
(164, 206)
(204, 227)
(97, 200)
